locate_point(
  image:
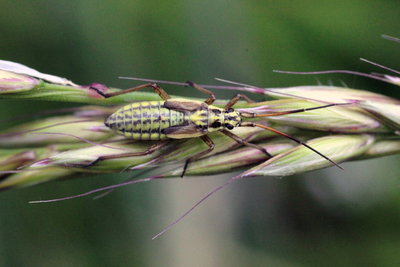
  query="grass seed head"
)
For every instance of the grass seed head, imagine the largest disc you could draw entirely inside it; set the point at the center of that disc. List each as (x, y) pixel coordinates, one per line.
(11, 82)
(300, 159)
(54, 130)
(350, 118)
(58, 146)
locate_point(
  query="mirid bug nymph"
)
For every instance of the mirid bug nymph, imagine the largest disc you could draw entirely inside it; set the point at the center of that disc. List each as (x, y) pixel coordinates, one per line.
(178, 118)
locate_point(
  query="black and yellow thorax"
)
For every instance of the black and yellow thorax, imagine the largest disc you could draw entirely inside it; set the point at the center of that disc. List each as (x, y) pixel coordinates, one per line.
(174, 118)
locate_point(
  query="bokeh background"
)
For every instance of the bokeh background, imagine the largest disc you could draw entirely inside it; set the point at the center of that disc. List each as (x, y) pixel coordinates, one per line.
(323, 218)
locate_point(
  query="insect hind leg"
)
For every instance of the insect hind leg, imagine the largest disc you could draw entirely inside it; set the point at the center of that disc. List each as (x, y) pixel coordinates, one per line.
(161, 92)
(211, 97)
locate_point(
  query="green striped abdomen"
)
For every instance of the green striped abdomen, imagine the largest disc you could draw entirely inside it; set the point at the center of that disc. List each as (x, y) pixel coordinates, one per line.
(144, 120)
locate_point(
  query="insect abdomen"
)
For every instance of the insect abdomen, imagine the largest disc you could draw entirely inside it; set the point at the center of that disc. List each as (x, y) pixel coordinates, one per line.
(144, 120)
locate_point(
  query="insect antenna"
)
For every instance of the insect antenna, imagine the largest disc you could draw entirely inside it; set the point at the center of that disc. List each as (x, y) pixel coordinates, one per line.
(252, 124)
(275, 114)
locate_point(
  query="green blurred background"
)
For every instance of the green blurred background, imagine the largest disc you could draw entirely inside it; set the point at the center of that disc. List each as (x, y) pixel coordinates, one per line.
(323, 218)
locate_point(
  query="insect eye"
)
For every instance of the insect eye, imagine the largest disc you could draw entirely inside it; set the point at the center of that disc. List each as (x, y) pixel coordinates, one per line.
(229, 110)
(229, 126)
(216, 124)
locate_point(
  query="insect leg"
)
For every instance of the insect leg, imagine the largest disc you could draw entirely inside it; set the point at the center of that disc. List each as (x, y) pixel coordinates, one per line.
(211, 146)
(164, 95)
(244, 142)
(209, 100)
(148, 151)
(235, 99)
(252, 124)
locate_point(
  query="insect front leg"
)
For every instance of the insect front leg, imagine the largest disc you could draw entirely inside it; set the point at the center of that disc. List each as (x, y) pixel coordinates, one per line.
(211, 146)
(161, 92)
(235, 99)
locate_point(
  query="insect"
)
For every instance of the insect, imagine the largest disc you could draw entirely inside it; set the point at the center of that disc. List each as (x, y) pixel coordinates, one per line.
(179, 118)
